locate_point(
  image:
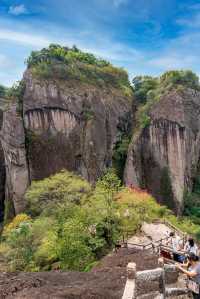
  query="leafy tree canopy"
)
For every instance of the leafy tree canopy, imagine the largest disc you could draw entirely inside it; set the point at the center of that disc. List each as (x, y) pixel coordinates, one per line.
(142, 85)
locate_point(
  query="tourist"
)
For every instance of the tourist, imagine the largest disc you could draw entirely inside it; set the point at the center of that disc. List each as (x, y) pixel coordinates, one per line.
(193, 273)
(174, 242)
(191, 247)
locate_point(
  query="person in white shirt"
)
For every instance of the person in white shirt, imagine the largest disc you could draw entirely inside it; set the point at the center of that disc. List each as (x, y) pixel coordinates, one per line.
(191, 247)
(174, 242)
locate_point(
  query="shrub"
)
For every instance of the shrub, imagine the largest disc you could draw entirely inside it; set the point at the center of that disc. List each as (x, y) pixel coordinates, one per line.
(186, 78)
(21, 251)
(16, 222)
(16, 93)
(61, 187)
(142, 85)
(120, 154)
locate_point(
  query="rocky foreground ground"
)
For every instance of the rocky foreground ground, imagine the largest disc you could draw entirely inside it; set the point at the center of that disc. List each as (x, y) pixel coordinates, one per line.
(106, 281)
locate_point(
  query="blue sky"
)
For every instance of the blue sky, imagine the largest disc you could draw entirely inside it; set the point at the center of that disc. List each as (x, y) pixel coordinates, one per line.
(143, 36)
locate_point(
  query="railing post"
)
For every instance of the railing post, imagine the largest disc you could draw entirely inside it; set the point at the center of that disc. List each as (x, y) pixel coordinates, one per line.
(162, 278)
(130, 288)
(161, 262)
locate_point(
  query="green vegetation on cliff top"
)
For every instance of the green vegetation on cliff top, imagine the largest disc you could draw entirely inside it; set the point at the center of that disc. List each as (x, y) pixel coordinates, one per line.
(71, 63)
(148, 90)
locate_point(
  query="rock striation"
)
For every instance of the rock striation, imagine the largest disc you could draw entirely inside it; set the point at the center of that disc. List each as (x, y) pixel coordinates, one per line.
(164, 157)
(71, 125)
(17, 172)
(62, 124)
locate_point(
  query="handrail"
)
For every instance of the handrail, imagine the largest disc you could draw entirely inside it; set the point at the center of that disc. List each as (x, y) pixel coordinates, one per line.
(168, 248)
(168, 223)
(153, 243)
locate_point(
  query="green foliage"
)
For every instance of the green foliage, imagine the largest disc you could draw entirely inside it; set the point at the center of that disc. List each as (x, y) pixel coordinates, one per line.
(186, 78)
(166, 188)
(72, 225)
(192, 202)
(142, 85)
(16, 93)
(76, 225)
(64, 186)
(9, 210)
(20, 256)
(120, 149)
(186, 224)
(148, 90)
(87, 113)
(3, 91)
(120, 154)
(64, 54)
(65, 63)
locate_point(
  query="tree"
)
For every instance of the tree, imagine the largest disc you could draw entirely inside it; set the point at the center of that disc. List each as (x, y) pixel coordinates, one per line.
(142, 85)
(3, 91)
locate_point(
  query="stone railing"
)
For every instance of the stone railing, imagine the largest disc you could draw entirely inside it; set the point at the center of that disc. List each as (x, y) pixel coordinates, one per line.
(159, 277)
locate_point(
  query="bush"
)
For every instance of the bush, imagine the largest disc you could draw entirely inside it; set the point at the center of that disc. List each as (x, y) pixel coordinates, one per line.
(16, 93)
(15, 223)
(186, 78)
(59, 188)
(120, 154)
(142, 85)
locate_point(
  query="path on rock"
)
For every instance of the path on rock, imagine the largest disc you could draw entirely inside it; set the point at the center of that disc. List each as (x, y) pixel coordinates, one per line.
(150, 232)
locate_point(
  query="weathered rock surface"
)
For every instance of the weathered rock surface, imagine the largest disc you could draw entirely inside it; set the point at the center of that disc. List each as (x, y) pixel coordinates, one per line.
(63, 124)
(71, 125)
(2, 171)
(13, 143)
(164, 157)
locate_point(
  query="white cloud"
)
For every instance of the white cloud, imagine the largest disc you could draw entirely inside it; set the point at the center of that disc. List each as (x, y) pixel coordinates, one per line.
(192, 22)
(170, 61)
(17, 10)
(27, 39)
(117, 3)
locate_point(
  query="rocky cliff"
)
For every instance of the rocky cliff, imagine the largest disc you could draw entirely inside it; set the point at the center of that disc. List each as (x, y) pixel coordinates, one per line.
(17, 172)
(71, 125)
(2, 169)
(163, 157)
(61, 124)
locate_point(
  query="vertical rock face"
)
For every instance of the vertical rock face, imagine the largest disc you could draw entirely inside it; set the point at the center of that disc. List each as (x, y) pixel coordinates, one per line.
(164, 157)
(62, 124)
(13, 143)
(2, 173)
(71, 125)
